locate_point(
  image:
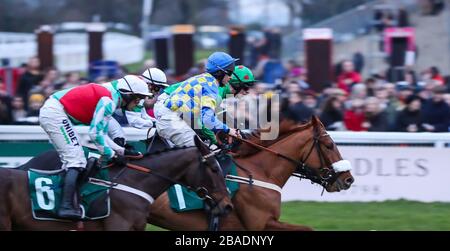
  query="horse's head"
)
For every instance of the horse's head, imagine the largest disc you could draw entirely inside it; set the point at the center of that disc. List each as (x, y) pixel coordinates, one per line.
(209, 180)
(321, 161)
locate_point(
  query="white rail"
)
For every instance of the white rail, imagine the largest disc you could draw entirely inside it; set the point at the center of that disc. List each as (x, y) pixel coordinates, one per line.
(438, 139)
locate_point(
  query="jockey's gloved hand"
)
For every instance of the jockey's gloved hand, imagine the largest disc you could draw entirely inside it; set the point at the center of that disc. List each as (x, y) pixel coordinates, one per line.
(213, 147)
(119, 160)
(132, 153)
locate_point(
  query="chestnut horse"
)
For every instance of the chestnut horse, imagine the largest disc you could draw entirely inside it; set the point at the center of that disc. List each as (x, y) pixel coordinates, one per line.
(194, 167)
(306, 149)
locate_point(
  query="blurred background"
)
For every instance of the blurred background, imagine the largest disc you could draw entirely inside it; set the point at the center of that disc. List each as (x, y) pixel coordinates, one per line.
(380, 68)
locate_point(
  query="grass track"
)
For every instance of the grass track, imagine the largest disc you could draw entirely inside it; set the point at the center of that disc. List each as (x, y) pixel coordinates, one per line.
(360, 216)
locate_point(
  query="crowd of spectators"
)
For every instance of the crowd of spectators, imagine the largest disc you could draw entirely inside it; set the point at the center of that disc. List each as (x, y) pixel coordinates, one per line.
(418, 103)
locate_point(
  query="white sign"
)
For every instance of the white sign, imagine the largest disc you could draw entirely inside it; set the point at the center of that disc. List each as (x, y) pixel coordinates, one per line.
(385, 173)
(318, 33)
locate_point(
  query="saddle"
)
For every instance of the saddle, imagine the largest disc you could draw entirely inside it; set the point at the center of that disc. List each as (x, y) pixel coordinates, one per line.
(45, 188)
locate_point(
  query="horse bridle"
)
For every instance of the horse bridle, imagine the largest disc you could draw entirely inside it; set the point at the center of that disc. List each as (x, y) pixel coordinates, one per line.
(303, 170)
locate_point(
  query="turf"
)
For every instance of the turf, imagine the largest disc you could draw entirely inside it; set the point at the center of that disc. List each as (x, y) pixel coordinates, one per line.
(361, 216)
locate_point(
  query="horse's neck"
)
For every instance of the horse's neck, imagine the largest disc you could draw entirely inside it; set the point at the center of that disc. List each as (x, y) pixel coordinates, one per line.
(160, 166)
(246, 150)
(276, 169)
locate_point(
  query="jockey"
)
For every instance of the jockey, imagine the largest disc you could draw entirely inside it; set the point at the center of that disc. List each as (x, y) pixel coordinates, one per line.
(241, 81)
(137, 116)
(198, 95)
(93, 105)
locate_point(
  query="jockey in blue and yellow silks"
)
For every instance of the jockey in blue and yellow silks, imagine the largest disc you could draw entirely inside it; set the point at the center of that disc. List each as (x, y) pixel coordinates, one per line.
(197, 96)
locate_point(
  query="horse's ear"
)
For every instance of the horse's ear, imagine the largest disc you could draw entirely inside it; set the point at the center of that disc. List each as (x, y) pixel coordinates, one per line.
(315, 120)
(200, 145)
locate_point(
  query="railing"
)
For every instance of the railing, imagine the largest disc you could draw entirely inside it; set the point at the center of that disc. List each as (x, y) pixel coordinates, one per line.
(436, 140)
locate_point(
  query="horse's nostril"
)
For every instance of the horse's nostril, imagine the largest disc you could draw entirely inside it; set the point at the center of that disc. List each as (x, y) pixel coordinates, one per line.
(228, 208)
(349, 181)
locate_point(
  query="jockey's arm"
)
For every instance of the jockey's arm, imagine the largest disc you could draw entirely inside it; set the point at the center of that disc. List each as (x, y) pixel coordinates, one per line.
(138, 117)
(210, 121)
(208, 104)
(98, 129)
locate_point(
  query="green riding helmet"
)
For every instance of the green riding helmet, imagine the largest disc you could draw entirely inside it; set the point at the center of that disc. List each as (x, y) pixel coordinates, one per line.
(242, 78)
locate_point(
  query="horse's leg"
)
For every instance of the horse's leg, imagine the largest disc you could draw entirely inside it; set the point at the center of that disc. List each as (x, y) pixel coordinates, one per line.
(256, 207)
(125, 218)
(5, 212)
(163, 216)
(275, 225)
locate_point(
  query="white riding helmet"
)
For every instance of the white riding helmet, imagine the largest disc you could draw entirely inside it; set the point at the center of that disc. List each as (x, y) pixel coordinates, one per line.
(155, 76)
(131, 84)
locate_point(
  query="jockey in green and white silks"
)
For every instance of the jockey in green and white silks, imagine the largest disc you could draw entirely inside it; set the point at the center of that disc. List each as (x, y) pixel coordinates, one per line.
(91, 105)
(137, 116)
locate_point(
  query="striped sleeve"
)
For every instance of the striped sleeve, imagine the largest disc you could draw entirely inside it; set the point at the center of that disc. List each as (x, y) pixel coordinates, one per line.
(99, 126)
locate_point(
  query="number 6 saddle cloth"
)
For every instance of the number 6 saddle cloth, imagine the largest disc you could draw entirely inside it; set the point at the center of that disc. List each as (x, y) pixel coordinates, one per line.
(46, 191)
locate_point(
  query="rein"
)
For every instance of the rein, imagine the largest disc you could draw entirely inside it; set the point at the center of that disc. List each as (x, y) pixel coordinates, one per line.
(149, 171)
(303, 170)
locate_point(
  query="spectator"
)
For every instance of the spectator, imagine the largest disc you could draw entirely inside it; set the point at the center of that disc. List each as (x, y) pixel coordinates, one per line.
(437, 6)
(436, 112)
(30, 78)
(297, 110)
(370, 87)
(72, 80)
(273, 70)
(332, 116)
(35, 103)
(447, 98)
(377, 20)
(47, 86)
(18, 109)
(411, 78)
(354, 117)
(309, 98)
(293, 86)
(335, 92)
(359, 91)
(408, 119)
(403, 91)
(348, 77)
(403, 18)
(5, 105)
(376, 117)
(358, 62)
(436, 75)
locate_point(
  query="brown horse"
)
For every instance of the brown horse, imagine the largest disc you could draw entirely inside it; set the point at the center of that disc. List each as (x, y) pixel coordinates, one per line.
(152, 175)
(306, 149)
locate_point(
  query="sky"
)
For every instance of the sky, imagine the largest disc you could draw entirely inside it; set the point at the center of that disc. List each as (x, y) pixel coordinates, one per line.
(272, 13)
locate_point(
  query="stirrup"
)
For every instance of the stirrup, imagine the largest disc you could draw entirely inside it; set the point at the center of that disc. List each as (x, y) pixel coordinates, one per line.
(71, 214)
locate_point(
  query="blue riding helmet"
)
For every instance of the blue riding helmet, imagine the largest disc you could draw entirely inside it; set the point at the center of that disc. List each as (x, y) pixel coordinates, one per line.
(219, 61)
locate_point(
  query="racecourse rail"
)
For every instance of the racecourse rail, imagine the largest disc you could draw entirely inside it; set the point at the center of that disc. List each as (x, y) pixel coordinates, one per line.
(386, 165)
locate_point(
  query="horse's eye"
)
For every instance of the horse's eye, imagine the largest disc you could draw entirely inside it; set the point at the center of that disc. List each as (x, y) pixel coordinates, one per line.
(214, 169)
(329, 146)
